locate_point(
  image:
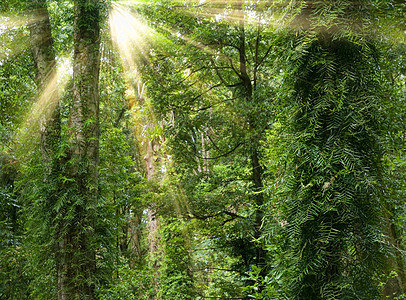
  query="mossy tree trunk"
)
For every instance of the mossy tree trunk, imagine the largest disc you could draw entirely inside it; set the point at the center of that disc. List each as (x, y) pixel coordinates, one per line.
(44, 58)
(79, 255)
(50, 120)
(333, 210)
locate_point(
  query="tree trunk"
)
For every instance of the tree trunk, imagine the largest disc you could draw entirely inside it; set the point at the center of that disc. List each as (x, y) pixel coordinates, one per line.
(396, 284)
(50, 123)
(153, 226)
(316, 208)
(257, 172)
(44, 58)
(83, 125)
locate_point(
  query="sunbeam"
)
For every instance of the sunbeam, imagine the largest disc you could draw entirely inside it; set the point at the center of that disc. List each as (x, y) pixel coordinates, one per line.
(239, 13)
(131, 37)
(46, 103)
(14, 33)
(10, 22)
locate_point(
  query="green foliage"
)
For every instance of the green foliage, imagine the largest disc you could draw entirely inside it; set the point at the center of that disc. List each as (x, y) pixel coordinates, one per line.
(13, 257)
(215, 122)
(332, 206)
(132, 284)
(61, 17)
(14, 277)
(176, 279)
(274, 157)
(16, 91)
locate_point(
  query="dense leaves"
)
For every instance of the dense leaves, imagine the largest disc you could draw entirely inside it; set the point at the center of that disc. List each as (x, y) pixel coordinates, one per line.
(223, 149)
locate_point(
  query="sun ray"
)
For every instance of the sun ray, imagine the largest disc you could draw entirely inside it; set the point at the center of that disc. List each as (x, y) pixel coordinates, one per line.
(47, 101)
(131, 36)
(133, 39)
(14, 33)
(256, 13)
(10, 22)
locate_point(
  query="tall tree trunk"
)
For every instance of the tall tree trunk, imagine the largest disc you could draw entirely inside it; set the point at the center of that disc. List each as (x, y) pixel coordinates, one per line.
(257, 171)
(336, 161)
(50, 123)
(396, 285)
(44, 58)
(153, 220)
(80, 256)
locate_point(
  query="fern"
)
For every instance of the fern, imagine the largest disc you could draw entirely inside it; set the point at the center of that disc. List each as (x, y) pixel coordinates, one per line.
(332, 209)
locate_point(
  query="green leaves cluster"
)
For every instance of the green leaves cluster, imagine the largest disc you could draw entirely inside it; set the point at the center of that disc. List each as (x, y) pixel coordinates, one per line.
(263, 161)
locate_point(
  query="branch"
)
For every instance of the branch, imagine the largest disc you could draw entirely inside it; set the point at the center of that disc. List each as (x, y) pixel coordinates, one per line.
(214, 144)
(233, 217)
(203, 218)
(218, 72)
(235, 70)
(191, 73)
(263, 58)
(190, 102)
(119, 117)
(194, 216)
(208, 90)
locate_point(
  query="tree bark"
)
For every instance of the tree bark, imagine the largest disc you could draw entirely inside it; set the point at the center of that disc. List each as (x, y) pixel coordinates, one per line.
(257, 171)
(44, 59)
(396, 285)
(83, 130)
(50, 124)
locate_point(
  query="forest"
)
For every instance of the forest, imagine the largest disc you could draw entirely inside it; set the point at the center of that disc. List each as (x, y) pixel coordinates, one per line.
(202, 149)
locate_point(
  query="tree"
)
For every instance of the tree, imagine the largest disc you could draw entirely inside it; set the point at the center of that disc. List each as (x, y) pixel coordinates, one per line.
(78, 250)
(335, 171)
(44, 59)
(394, 173)
(217, 102)
(50, 120)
